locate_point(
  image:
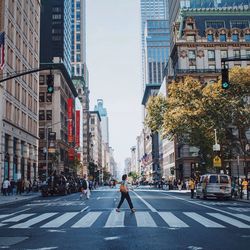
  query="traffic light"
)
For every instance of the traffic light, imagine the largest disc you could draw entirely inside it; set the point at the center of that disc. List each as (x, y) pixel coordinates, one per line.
(50, 83)
(225, 79)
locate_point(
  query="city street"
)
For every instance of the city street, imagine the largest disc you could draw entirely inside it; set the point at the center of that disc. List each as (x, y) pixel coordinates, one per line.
(163, 220)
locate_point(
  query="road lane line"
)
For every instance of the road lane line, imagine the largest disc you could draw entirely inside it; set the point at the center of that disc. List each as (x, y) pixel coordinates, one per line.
(229, 220)
(33, 221)
(203, 221)
(144, 219)
(115, 219)
(60, 220)
(146, 203)
(18, 218)
(172, 220)
(202, 205)
(87, 220)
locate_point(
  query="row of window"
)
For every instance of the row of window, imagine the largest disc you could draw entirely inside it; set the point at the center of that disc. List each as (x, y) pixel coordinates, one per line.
(223, 38)
(45, 113)
(223, 54)
(240, 24)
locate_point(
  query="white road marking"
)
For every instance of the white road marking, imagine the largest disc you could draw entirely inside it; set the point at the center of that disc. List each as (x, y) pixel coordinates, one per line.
(84, 209)
(115, 219)
(18, 218)
(229, 220)
(98, 198)
(144, 219)
(60, 220)
(33, 221)
(112, 238)
(87, 220)
(243, 217)
(7, 215)
(146, 203)
(1, 224)
(172, 220)
(203, 221)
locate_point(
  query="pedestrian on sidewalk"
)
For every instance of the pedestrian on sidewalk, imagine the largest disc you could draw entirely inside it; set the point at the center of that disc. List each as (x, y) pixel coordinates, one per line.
(191, 185)
(6, 185)
(125, 194)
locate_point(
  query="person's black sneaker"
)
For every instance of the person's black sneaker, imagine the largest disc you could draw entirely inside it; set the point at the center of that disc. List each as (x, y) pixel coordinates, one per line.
(117, 210)
(132, 210)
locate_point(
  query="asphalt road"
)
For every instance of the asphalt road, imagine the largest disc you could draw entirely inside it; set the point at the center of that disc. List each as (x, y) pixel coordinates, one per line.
(163, 220)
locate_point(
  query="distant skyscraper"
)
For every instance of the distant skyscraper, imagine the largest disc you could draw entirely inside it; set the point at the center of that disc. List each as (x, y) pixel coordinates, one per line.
(150, 10)
(104, 120)
(78, 38)
(55, 31)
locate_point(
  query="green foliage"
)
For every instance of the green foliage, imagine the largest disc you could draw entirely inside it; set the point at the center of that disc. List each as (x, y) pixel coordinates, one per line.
(193, 110)
(133, 175)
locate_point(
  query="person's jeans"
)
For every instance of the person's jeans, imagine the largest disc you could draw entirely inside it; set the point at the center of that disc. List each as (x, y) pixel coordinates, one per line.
(127, 197)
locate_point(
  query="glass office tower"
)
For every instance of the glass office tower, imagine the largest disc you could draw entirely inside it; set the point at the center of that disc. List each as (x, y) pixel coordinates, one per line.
(150, 10)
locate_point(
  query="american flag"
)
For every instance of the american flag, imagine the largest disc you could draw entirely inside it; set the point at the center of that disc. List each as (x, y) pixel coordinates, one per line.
(1, 50)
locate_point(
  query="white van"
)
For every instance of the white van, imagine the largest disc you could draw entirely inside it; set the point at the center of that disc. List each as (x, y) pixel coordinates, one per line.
(214, 185)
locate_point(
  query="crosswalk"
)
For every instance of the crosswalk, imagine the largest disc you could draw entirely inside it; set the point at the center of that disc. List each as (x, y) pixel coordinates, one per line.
(112, 219)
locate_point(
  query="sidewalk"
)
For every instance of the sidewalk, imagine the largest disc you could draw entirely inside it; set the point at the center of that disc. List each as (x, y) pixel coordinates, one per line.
(11, 199)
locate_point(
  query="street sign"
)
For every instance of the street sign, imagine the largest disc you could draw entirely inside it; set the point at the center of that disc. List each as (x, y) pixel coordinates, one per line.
(217, 162)
(216, 147)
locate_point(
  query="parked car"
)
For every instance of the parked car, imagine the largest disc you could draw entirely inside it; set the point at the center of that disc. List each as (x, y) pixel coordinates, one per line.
(55, 184)
(214, 185)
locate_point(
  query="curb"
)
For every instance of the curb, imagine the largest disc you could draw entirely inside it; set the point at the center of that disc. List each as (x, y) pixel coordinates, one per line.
(18, 200)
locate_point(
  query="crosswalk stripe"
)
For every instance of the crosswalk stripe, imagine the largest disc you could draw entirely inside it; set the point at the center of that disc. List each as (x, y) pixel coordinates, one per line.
(33, 221)
(202, 220)
(18, 218)
(172, 220)
(4, 215)
(87, 220)
(60, 220)
(144, 219)
(115, 219)
(242, 216)
(229, 220)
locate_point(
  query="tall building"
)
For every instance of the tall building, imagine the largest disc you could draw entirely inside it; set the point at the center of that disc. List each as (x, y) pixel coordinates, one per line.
(80, 72)
(150, 10)
(105, 122)
(55, 30)
(20, 20)
(157, 42)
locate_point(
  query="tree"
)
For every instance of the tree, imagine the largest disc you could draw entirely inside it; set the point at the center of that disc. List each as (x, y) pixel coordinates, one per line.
(193, 110)
(133, 175)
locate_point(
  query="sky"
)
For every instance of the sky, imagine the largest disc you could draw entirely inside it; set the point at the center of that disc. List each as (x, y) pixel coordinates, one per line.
(114, 63)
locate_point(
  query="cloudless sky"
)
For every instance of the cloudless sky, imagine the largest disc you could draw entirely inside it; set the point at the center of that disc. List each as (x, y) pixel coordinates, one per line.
(114, 63)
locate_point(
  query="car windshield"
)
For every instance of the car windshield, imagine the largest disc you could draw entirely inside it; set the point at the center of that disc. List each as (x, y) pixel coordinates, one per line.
(213, 179)
(224, 179)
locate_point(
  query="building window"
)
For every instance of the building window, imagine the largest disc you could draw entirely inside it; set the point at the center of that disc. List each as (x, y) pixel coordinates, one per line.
(78, 37)
(211, 67)
(223, 38)
(41, 133)
(247, 37)
(192, 68)
(190, 26)
(191, 54)
(210, 37)
(41, 115)
(41, 80)
(49, 115)
(41, 97)
(240, 24)
(92, 120)
(49, 97)
(235, 37)
(247, 53)
(215, 24)
(223, 54)
(237, 53)
(211, 55)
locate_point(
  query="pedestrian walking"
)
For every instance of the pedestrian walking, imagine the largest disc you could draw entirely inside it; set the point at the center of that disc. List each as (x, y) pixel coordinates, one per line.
(125, 194)
(85, 188)
(191, 185)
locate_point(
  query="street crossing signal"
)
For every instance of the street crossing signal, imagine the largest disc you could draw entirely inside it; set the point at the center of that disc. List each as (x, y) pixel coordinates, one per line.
(225, 79)
(50, 83)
